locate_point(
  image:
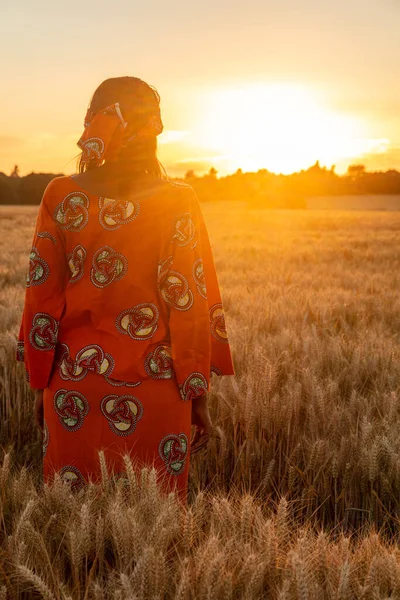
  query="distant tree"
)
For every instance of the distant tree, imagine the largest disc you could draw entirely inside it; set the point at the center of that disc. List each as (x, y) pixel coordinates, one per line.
(190, 175)
(7, 194)
(31, 187)
(316, 168)
(356, 170)
(15, 172)
(212, 173)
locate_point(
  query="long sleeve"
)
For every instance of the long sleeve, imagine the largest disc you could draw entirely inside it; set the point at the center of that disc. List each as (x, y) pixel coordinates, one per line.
(189, 285)
(45, 296)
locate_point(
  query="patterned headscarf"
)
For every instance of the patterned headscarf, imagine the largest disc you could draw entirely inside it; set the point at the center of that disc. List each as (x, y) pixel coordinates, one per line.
(106, 133)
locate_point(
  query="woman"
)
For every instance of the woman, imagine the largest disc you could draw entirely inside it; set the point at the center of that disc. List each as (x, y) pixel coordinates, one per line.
(123, 322)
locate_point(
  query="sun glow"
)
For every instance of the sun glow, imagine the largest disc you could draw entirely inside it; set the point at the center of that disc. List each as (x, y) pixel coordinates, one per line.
(283, 128)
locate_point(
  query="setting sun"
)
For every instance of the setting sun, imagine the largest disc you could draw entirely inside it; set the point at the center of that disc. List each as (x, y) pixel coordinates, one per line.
(281, 127)
(269, 87)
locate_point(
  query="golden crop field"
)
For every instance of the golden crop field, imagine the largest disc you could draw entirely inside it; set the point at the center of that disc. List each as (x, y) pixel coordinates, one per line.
(298, 494)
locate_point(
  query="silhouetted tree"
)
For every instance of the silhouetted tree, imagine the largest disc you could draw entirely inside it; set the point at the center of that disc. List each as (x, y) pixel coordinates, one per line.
(189, 175)
(32, 186)
(259, 189)
(7, 194)
(356, 170)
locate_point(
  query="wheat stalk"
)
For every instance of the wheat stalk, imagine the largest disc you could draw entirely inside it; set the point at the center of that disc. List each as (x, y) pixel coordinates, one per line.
(37, 582)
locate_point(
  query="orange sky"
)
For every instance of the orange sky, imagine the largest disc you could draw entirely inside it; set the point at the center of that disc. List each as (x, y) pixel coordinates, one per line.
(252, 84)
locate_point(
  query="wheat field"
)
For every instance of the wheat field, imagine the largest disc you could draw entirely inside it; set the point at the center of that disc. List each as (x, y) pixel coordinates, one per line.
(298, 494)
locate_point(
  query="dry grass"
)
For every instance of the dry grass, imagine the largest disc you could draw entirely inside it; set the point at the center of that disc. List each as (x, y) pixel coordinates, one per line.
(131, 542)
(309, 425)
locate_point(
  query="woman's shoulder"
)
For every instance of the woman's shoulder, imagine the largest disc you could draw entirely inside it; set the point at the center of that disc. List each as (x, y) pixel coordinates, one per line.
(56, 190)
(58, 185)
(178, 184)
(182, 194)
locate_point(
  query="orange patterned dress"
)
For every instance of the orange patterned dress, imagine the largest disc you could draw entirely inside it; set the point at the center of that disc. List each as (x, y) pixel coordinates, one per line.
(122, 326)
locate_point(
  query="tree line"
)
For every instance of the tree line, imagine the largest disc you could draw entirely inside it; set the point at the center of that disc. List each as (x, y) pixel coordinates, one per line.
(262, 188)
(23, 190)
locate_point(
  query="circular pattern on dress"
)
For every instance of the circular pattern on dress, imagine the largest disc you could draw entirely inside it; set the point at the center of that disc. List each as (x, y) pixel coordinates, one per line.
(72, 213)
(93, 147)
(139, 322)
(38, 269)
(114, 213)
(90, 358)
(76, 262)
(174, 286)
(46, 235)
(121, 383)
(183, 229)
(173, 450)
(199, 277)
(20, 350)
(122, 413)
(194, 385)
(44, 332)
(215, 371)
(108, 266)
(73, 477)
(217, 323)
(71, 407)
(158, 363)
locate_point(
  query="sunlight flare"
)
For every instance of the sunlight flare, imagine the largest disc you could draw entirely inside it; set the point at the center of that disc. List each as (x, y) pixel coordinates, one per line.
(281, 127)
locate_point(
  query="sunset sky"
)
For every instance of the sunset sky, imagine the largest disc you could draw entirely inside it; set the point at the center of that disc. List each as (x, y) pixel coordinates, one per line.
(255, 84)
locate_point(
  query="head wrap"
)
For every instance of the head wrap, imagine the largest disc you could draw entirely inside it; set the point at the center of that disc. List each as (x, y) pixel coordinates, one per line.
(106, 133)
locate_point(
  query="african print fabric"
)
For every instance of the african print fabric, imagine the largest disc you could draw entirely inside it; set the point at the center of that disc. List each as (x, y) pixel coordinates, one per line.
(148, 422)
(106, 132)
(123, 293)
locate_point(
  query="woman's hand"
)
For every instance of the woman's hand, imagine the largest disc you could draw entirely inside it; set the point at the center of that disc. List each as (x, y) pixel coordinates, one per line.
(202, 421)
(39, 408)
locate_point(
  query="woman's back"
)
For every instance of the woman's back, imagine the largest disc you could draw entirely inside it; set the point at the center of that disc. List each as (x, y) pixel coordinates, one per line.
(113, 251)
(123, 322)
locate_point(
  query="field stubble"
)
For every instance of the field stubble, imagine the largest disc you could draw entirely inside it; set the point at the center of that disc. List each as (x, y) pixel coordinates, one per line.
(307, 429)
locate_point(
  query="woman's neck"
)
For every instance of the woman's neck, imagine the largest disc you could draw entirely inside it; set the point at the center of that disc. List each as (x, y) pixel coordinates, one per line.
(104, 181)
